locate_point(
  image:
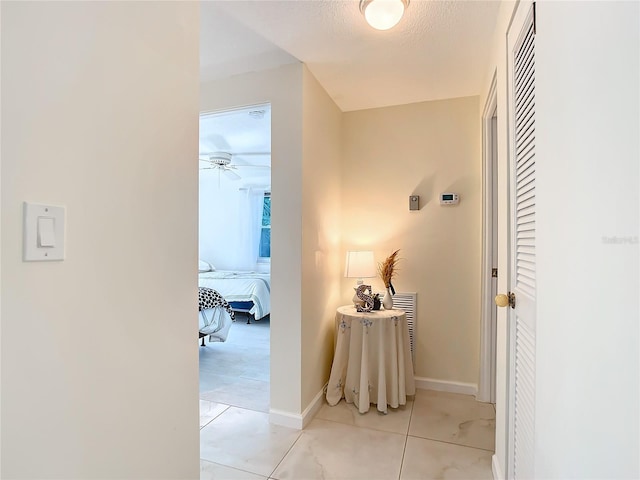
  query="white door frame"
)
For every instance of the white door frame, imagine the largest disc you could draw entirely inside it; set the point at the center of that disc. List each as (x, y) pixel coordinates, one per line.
(487, 381)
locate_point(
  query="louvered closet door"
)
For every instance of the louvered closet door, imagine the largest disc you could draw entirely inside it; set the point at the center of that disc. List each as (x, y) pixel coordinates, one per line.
(522, 321)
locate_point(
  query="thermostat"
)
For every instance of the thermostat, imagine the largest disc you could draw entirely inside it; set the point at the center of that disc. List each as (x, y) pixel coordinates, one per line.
(449, 198)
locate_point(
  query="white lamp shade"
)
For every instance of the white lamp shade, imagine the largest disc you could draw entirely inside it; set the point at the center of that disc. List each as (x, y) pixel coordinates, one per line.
(360, 265)
(383, 14)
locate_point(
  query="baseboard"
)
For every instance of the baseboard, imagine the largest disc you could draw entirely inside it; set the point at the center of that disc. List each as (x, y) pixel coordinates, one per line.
(495, 468)
(313, 407)
(294, 420)
(446, 386)
(285, 419)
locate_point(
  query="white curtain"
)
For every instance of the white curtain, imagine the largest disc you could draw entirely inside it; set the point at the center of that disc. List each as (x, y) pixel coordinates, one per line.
(250, 225)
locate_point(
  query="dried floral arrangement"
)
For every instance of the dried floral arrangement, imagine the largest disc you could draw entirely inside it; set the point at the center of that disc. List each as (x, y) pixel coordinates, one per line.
(387, 270)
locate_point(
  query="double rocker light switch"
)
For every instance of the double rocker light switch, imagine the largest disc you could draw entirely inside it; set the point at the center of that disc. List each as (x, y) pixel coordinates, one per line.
(43, 232)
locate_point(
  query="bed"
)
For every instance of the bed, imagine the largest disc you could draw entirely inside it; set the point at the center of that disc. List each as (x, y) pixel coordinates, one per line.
(216, 315)
(246, 292)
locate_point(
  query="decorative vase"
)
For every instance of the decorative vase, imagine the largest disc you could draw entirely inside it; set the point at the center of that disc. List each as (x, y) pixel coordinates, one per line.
(387, 301)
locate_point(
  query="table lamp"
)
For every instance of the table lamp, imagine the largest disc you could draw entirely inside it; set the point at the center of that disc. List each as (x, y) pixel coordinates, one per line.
(359, 265)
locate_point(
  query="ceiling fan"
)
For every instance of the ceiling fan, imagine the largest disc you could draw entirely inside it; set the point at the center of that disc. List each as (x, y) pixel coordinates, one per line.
(221, 161)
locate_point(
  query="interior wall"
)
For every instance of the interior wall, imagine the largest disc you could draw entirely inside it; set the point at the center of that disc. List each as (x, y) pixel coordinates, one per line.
(321, 207)
(588, 355)
(282, 87)
(421, 149)
(0, 251)
(99, 358)
(218, 216)
(219, 221)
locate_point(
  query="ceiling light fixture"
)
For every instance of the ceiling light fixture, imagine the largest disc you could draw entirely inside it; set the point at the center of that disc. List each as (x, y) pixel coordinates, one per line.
(383, 14)
(259, 114)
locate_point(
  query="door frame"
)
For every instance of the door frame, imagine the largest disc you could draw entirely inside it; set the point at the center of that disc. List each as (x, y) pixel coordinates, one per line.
(488, 328)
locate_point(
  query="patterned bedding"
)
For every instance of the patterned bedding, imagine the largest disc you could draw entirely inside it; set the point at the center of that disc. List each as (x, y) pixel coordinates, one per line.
(213, 321)
(241, 287)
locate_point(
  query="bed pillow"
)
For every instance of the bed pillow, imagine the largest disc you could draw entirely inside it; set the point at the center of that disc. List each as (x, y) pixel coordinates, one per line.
(204, 267)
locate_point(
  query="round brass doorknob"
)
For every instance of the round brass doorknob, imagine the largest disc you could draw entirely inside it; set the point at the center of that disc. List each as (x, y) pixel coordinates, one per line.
(502, 300)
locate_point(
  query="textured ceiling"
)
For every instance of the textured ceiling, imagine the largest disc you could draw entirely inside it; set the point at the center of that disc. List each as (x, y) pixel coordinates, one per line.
(245, 133)
(439, 50)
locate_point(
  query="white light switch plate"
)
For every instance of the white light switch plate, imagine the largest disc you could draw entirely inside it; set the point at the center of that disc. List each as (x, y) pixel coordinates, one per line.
(42, 216)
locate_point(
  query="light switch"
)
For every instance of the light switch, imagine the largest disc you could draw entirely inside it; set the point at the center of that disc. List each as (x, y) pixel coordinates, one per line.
(46, 232)
(43, 232)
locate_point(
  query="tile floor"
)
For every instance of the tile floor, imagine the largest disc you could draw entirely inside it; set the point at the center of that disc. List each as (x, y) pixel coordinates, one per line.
(236, 372)
(436, 435)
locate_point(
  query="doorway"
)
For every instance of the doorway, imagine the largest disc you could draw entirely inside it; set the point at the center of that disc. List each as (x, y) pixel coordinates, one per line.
(488, 340)
(235, 249)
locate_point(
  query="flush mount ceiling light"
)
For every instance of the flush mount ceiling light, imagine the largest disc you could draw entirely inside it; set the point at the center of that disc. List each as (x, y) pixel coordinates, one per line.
(383, 14)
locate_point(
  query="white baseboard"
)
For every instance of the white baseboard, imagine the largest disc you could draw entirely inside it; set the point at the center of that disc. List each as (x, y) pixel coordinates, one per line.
(446, 386)
(285, 419)
(295, 420)
(313, 407)
(495, 468)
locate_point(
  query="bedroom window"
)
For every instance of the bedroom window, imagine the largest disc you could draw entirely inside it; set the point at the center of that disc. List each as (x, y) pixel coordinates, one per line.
(265, 233)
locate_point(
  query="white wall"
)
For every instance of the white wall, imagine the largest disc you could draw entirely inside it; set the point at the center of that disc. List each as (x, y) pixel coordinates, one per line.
(588, 363)
(305, 183)
(587, 103)
(222, 224)
(421, 149)
(99, 357)
(321, 206)
(218, 219)
(282, 87)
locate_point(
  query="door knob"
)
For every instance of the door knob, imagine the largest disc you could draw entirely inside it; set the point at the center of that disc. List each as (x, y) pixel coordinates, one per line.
(503, 300)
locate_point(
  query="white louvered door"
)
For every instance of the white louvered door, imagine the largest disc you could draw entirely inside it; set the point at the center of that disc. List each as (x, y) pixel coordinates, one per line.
(522, 321)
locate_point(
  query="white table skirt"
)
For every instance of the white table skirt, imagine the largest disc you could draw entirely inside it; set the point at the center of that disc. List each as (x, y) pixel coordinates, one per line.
(372, 361)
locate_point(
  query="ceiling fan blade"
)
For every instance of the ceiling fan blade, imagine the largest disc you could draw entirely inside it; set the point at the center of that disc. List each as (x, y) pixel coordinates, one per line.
(248, 154)
(231, 175)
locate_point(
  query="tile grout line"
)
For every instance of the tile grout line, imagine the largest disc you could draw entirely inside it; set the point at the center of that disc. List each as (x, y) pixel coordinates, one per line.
(452, 443)
(285, 455)
(216, 415)
(232, 468)
(360, 426)
(406, 438)
(404, 450)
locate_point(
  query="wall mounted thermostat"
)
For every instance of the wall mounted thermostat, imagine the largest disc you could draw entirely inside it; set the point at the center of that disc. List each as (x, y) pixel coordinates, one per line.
(449, 198)
(414, 202)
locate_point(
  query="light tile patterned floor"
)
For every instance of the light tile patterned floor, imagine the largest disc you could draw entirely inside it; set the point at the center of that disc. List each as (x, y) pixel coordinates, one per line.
(436, 435)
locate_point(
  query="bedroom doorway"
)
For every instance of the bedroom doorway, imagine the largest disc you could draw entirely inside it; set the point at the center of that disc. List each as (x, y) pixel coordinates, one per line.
(235, 258)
